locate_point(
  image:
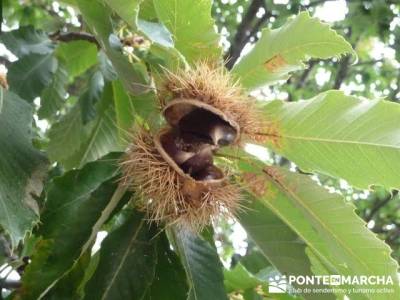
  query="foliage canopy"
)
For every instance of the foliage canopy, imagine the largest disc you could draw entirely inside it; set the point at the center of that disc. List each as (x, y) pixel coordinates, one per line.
(82, 73)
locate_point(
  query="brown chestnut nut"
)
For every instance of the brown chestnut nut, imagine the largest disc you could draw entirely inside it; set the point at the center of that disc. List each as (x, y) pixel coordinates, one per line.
(193, 143)
(210, 172)
(223, 134)
(171, 145)
(197, 162)
(209, 126)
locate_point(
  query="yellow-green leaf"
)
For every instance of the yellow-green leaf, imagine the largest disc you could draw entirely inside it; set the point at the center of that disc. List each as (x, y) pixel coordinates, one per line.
(327, 224)
(283, 50)
(342, 136)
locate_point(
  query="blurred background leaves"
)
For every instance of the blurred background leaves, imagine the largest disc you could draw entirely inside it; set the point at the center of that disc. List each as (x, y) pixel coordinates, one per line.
(64, 58)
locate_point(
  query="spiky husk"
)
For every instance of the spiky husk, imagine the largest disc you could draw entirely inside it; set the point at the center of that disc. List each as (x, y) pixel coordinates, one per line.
(215, 86)
(164, 192)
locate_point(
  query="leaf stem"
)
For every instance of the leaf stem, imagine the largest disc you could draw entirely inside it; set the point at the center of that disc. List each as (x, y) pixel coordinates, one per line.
(117, 196)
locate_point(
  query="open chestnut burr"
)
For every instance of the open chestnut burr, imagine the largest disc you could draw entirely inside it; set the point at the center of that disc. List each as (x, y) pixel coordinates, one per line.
(197, 130)
(188, 144)
(190, 157)
(203, 120)
(173, 170)
(177, 184)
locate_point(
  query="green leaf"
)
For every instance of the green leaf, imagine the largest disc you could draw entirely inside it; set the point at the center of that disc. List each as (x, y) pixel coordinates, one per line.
(239, 278)
(281, 51)
(31, 74)
(169, 56)
(169, 273)
(342, 136)
(90, 269)
(147, 10)
(70, 2)
(53, 97)
(202, 265)
(75, 202)
(191, 26)
(5, 250)
(26, 40)
(91, 96)
(327, 224)
(1, 98)
(252, 295)
(103, 134)
(67, 287)
(278, 242)
(127, 262)
(146, 106)
(22, 168)
(319, 268)
(106, 67)
(97, 16)
(275, 239)
(156, 32)
(254, 261)
(67, 131)
(95, 139)
(78, 56)
(124, 109)
(161, 58)
(127, 10)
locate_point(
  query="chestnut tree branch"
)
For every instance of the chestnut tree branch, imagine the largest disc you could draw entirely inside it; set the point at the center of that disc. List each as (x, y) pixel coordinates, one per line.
(396, 91)
(245, 31)
(249, 27)
(74, 36)
(379, 204)
(9, 284)
(342, 72)
(344, 65)
(304, 76)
